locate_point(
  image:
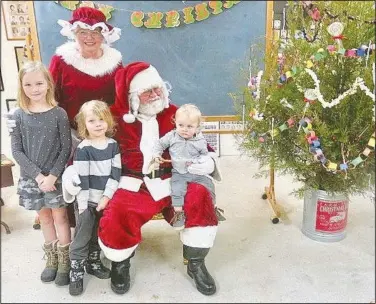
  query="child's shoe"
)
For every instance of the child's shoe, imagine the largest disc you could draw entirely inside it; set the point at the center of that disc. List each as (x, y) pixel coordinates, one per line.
(76, 276)
(95, 267)
(178, 220)
(219, 213)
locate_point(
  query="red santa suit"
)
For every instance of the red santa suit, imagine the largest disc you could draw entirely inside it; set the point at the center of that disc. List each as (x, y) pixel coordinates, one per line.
(78, 79)
(138, 197)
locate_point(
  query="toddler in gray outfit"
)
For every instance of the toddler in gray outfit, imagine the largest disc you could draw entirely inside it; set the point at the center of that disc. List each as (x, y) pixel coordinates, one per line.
(186, 146)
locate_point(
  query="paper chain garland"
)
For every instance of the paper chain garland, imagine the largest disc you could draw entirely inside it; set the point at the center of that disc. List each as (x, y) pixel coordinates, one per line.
(314, 13)
(315, 145)
(313, 94)
(321, 54)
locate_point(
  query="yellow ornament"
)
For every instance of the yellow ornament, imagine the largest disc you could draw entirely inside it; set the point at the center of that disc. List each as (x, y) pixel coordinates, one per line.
(274, 132)
(371, 142)
(332, 166)
(309, 64)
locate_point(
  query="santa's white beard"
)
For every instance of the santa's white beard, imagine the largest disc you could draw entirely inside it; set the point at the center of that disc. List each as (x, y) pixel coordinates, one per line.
(152, 108)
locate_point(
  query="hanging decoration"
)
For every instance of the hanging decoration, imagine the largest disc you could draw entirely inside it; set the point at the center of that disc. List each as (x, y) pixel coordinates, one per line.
(311, 95)
(157, 20)
(314, 13)
(315, 147)
(72, 5)
(175, 18)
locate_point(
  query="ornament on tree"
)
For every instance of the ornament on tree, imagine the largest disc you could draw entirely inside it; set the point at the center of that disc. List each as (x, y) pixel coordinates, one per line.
(335, 30)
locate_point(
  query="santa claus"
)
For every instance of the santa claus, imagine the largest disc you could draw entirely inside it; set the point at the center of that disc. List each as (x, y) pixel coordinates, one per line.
(143, 113)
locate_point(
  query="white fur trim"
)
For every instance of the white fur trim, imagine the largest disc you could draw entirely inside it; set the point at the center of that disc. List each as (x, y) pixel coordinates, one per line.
(216, 174)
(68, 30)
(130, 183)
(129, 118)
(68, 198)
(145, 80)
(116, 255)
(199, 237)
(158, 188)
(150, 134)
(70, 180)
(94, 67)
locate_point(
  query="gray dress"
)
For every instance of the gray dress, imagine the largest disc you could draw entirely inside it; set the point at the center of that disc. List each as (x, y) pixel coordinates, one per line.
(41, 143)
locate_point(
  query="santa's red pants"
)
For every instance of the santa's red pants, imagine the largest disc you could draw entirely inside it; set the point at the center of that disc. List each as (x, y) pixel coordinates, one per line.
(120, 226)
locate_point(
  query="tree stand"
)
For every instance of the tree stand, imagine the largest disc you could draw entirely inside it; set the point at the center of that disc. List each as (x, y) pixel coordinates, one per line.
(270, 196)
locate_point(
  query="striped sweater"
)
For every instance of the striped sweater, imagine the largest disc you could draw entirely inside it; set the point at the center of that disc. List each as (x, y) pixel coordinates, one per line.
(99, 169)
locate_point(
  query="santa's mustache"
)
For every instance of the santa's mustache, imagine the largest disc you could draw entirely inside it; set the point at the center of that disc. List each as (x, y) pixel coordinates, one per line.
(153, 107)
(154, 99)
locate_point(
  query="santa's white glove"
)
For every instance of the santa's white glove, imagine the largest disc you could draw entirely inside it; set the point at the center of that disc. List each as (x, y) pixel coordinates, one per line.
(205, 167)
(210, 166)
(10, 122)
(70, 182)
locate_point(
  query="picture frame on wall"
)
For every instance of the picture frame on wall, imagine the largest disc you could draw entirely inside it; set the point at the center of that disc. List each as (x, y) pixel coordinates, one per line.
(16, 19)
(20, 56)
(11, 104)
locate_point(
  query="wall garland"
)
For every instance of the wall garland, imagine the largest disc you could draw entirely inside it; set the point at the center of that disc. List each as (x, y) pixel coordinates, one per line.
(157, 20)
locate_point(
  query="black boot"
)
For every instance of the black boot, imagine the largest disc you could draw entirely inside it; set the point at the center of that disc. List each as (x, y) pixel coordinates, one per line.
(196, 269)
(76, 276)
(120, 279)
(95, 267)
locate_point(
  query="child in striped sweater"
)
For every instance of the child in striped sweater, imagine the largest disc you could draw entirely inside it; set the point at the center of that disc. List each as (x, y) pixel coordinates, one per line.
(97, 159)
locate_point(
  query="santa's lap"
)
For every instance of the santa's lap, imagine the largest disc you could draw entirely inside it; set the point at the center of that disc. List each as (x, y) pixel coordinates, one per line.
(120, 225)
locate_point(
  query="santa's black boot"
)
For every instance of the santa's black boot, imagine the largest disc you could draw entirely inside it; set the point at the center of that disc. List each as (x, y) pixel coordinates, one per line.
(120, 279)
(196, 269)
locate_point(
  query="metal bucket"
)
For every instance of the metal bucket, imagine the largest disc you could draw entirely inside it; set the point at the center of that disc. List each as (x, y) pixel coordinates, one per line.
(325, 216)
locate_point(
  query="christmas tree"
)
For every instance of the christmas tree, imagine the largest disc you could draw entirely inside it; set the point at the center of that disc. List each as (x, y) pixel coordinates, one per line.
(311, 112)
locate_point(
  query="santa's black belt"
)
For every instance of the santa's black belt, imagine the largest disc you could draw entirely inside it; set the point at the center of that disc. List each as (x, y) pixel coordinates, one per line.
(157, 173)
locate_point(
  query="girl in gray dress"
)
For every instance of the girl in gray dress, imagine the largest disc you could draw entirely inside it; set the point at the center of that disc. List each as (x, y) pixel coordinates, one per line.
(41, 144)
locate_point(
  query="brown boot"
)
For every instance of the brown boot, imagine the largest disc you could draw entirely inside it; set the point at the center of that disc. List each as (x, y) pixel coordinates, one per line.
(50, 251)
(62, 276)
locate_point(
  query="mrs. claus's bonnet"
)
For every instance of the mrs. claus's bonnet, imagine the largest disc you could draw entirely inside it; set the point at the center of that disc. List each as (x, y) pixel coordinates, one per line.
(89, 18)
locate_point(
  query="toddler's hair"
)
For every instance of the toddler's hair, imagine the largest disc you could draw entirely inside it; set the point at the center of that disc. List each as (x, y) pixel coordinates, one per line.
(35, 66)
(191, 111)
(100, 109)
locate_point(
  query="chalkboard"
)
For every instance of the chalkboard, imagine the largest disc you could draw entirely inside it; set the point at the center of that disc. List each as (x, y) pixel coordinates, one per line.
(202, 60)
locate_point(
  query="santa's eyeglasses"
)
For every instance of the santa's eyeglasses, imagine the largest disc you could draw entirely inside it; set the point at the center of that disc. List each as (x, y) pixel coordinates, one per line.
(149, 93)
(93, 34)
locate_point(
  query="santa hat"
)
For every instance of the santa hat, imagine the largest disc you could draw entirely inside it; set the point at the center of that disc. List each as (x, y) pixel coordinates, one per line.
(89, 18)
(132, 80)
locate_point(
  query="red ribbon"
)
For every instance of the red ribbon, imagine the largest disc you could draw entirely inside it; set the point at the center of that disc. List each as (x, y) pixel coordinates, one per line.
(308, 100)
(339, 37)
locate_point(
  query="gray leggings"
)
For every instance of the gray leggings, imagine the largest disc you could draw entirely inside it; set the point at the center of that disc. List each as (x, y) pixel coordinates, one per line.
(85, 238)
(179, 186)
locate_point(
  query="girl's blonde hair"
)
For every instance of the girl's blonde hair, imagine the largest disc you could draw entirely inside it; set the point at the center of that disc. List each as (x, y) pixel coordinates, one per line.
(100, 109)
(35, 66)
(191, 111)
